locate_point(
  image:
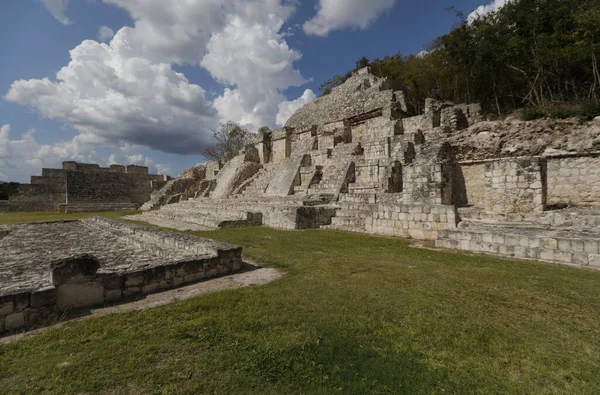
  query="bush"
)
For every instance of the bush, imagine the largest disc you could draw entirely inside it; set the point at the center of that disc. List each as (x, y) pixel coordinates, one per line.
(531, 113)
(561, 112)
(589, 111)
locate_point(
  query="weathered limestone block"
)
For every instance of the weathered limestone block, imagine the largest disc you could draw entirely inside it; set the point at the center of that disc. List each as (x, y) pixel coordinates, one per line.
(281, 145)
(14, 321)
(425, 122)
(430, 178)
(73, 279)
(77, 269)
(43, 297)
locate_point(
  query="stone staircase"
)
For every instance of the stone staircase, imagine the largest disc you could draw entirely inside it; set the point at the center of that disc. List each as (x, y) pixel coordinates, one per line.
(157, 196)
(309, 175)
(353, 211)
(337, 172)
(206, 213)
(257, 184)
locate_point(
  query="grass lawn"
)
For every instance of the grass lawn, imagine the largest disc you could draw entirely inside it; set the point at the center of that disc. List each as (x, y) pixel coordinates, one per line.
(355, 314)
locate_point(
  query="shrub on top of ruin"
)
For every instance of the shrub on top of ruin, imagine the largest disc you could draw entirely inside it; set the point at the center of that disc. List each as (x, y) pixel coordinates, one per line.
(532, 113)
(589, 111)
(561, 112)
(265, 130)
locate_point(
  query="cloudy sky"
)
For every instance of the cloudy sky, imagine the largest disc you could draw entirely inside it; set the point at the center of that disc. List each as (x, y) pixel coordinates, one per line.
(145, 81)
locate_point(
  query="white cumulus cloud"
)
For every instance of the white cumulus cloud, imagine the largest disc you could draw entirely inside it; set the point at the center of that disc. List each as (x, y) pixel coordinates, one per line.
(483, 10)
(341, 14)
(119, 99)
(162, 168)
(125, 92)
(288, 108)
(57, 9)
(24, 156)
(105, 33)
(253, 58)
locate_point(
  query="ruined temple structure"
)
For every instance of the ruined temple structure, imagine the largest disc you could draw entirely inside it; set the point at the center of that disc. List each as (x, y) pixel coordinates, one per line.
(359, 159)
(86, 187)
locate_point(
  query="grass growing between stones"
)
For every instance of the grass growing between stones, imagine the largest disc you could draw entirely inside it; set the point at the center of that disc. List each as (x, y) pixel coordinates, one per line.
(354, 314)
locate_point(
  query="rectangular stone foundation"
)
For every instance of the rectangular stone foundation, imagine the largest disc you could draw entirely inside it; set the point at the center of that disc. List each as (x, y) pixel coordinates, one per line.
(132, 261)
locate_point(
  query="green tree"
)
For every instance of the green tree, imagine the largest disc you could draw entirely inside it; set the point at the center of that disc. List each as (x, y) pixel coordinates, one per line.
(228, 140)
(529, 53)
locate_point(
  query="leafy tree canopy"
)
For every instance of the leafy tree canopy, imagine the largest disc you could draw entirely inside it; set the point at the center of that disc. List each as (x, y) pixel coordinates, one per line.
(532, 53)
(228, 140)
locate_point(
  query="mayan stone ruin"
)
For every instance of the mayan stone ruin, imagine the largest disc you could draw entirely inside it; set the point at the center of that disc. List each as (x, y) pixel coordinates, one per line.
(48, 269)
(361, 160)
(81, 187)
(358, 159)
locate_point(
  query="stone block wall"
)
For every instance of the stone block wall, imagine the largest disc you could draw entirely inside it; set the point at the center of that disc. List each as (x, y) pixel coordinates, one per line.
(304, 141)
(574, 180)
(358, 132)
(376, 149)
(297, 217)
(422, 222)
(326, 141)
(515, 185)
(86, 183)
(430, 178)
(281, 145)
(420, 122)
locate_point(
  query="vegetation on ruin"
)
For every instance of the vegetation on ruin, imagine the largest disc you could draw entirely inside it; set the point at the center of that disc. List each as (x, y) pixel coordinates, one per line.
(530, 53)
(228, 139)
(353, 314)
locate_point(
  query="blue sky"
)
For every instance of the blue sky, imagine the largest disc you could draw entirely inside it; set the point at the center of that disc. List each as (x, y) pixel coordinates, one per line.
(145, 83)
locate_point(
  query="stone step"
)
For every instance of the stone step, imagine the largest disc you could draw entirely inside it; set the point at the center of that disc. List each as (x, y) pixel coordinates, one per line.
(580, 217)
(300, 189)
(354, 213)
(357, 206)
(344, 228)
(369, 198)
(212, 221)
(572, 246)
(349, 221)
(96, 207)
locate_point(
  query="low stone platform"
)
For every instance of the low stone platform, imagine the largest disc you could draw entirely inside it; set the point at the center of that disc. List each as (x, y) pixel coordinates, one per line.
(96, 207)
(570, 236)
(293, 212)
(51, 267)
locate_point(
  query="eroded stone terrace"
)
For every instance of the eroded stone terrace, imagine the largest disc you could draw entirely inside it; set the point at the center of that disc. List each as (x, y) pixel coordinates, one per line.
(56, 266)
(28, 249)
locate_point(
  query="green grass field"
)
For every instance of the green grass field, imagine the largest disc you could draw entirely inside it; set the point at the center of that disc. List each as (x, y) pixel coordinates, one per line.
(354, 314)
